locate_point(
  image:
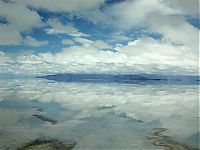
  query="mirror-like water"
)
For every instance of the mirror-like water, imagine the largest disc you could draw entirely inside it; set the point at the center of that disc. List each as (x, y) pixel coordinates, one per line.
(99, 116)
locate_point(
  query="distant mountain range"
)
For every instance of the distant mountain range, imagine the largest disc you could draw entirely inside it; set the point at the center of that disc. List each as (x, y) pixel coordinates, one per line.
(124, 78)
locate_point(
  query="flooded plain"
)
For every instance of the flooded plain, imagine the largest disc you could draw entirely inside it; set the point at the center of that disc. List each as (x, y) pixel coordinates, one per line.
(36, 113)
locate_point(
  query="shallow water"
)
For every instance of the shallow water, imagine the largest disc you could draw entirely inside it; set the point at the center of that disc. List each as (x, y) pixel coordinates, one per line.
(97, 116)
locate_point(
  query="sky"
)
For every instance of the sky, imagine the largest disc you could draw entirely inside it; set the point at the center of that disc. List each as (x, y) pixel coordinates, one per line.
(99, 36)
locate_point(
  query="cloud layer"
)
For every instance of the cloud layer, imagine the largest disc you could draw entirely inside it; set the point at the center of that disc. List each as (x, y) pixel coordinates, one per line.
(174, 49)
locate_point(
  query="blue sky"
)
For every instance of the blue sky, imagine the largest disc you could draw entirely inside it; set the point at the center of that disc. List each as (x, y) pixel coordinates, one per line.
(122, 36)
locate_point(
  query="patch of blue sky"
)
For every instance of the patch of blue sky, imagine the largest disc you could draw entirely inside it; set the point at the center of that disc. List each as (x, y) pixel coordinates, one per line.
(37, 33)
(61, 16)
(113, 1)
(98, 30)
(194, 20)
(134, 34)
(3, 20)
(94, 31)
(138, 33)
(54, 45)
(109, 3)
(155, 35)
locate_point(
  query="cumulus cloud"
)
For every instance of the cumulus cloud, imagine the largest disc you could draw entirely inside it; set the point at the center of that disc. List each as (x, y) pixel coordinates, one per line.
(68, 42)
(145, 55)
(19, 16)
(8, 36)
(98, 44)
(183, 7)
(131, 13)
(175, 30)
(151, 51)
(128, 13)
(165, 17)
(56, 27)
(34, 42)
(64, 5)
(175, 51)
(20, 19)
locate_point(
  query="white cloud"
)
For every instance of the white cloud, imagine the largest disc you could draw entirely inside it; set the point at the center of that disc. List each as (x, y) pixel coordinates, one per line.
(68, 42)
(33, 42)
(64, 5)
(20, 19)
(176, 30)
(56, 27)
(144, 55)
(4, 57)
(184, 7)
(9, 36)
(151, 51)
(128, 14)
(83, 41)
(178, 47)
(118, 37)
(166, 17)
(19, 16)
(98, 44)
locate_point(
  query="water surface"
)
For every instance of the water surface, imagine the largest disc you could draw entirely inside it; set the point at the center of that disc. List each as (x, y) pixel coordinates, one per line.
(99, 115)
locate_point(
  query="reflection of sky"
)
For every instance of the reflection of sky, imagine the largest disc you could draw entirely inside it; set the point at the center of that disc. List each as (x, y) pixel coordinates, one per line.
(96, 114)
